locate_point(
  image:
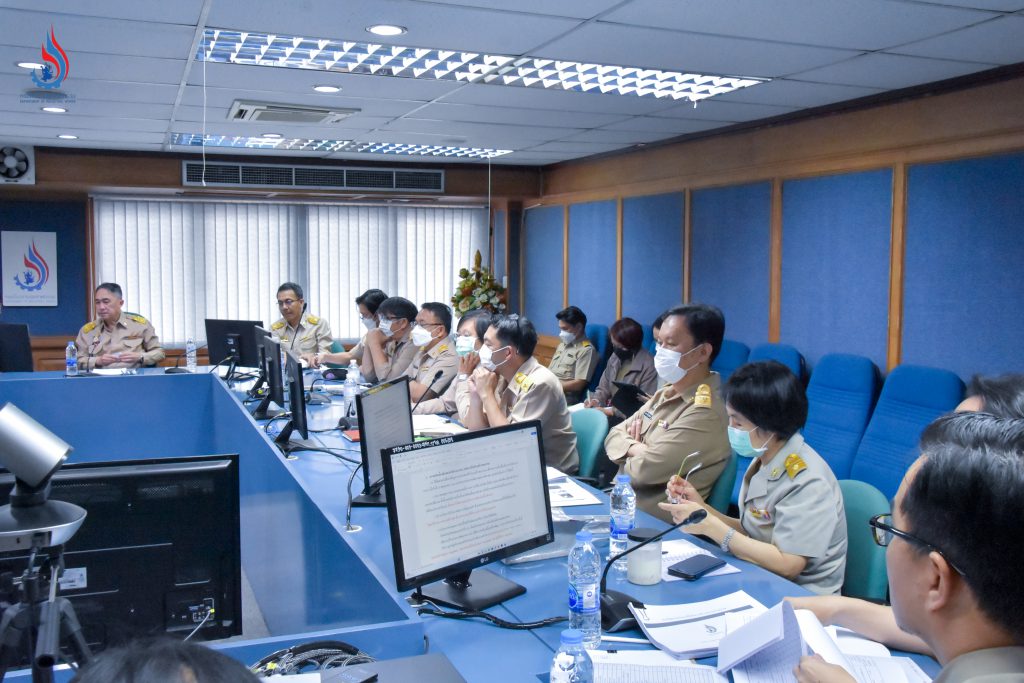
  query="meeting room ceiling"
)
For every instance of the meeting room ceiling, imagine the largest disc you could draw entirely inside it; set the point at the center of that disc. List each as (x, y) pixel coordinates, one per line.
(133, 79)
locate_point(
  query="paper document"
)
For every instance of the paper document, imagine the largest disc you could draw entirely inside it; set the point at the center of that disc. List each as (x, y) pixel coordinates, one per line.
(649, 666)
(567, 492)
(555, 475)
(435, 426)
(693, 629)
(679, 550)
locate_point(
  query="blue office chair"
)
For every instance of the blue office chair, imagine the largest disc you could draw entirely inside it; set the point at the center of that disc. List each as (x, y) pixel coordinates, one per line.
(719, 497)
(911, 397)
(866, 576)
(732, 355)
(598, 336)
(591, 427)
(783, 353)
(649, 342)
(840, 396)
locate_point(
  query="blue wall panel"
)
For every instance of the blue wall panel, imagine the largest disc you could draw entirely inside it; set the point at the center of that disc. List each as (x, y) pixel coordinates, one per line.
(67, 219)
(730, 245)
(652, 255)
(964, 252)
(498, 264)
(543, 244)
(592, 257)
(835, 264)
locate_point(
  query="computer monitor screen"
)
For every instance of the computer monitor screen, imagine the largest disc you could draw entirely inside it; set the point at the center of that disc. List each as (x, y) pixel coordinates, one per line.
(385, 420)
(296, 401)
(159, 547)
(15, 348)
(233, 339)
(461, 502)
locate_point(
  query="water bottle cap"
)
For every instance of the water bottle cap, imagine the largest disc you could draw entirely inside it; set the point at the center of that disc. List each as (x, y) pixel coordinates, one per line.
(572, 636)
(622, 478)
(584, 536)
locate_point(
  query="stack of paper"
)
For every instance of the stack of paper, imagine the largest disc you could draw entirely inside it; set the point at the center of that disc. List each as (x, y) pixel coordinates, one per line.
(692, 629)
(435, 426)
(649, 666)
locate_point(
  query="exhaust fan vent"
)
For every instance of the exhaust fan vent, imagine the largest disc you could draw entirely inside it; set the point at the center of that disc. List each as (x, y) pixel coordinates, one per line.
(312, 177)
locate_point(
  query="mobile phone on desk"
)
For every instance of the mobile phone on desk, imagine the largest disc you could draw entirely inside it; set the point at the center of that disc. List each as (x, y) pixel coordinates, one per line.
(694, 567)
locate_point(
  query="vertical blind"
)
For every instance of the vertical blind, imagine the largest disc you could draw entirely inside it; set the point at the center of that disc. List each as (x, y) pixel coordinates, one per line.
(181, 262)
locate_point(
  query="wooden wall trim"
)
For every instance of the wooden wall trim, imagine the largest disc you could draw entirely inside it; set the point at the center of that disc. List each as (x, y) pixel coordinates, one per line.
(897, 252)
(546, 345)
(775, 264)
(618, 258)
(687, 245)
(90, 258)
(565, 256)
(48, 353)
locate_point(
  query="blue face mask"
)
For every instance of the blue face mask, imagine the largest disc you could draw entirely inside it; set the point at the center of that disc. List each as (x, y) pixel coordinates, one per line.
(740, 442)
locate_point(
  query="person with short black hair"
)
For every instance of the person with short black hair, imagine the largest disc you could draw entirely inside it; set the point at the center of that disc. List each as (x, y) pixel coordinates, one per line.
(432, 336)
(953, 554)
(575, 360)
(116, 339)
(630, 363)
(469, 337)
(996, 394)
(511, 386)
(389, 345)
(686, 415)
(163, 661)
(792, 521)
(367, 304)
(301, 334)
(656, 328)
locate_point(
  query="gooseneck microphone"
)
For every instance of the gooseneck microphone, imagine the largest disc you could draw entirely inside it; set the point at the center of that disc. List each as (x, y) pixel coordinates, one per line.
(437, 376)
(177, 369)
(615, 614)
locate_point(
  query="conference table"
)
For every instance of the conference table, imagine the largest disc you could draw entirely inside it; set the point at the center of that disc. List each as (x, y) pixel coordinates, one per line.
(313, 579)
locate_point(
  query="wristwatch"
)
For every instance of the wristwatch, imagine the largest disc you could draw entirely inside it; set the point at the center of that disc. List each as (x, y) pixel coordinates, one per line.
(724, 545)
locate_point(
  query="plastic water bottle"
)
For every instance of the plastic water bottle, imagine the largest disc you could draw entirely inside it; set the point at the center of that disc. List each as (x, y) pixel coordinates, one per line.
(623, 512)
(71, 360)
(350, 389)
(572, 663)
(585, 589)
(190, 354)
(353, 372)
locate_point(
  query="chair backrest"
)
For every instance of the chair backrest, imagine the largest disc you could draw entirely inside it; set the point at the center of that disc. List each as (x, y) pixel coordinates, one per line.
(732, 355)
(649, 342)
(591, 426)
(840, 396)
(784, 353)
(598, 336)
(742, 465)
(15, 348)
(911, 397)
(721, 492)
(865, 560)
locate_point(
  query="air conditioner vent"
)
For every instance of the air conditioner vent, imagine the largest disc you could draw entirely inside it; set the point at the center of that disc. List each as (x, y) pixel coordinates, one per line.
(269, 112)
(312, 177)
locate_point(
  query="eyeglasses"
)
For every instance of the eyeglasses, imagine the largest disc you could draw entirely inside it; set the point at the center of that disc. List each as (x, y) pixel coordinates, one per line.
(286, 302)
(883, 532)
(429, 324)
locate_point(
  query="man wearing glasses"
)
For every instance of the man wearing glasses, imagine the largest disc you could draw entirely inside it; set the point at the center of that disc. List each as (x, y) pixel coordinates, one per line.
(299, 333)
(953, 556)
(390, 344)
(431, 336)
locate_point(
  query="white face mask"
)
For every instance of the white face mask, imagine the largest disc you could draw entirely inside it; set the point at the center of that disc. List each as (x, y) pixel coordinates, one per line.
(421, 336)
(368, 323)
(666, 364)
(385, 326)
(566, 336)
(465, 345)
(485, 358)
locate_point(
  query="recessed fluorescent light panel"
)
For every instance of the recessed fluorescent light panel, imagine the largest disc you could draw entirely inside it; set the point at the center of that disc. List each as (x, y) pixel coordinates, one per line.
(307, 145)
(293, 52)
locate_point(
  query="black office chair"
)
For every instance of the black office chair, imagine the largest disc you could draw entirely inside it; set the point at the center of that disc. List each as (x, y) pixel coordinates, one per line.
(15, 348)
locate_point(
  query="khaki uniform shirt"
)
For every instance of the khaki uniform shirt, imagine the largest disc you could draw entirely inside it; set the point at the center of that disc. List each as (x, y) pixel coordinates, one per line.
(425, 365)
(993, 665)
(399, 356)
(446, 403)
(638, 370)
(673, 426)
(131, 333)
(794, 503)
(574, 361)
(311, 335)
(535, 394)
(365, 361)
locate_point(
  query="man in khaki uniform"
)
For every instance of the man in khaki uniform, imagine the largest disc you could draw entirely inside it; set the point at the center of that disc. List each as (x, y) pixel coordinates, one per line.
(432, 336)
(687, 415)
(116, 339)
(511, 386)
(469, 338)
(575, 360)
(389, 347)
(300, 334)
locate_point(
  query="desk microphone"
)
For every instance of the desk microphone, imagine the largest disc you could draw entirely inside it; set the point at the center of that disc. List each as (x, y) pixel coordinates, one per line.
(349, 529)
(177, 362)
(437, 376)
(615, 614)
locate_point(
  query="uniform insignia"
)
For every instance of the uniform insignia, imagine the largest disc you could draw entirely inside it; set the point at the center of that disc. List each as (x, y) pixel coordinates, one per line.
(703, 396)
(759, 514)
(136, 317)
(663, 424)
(278, 325)
(442, 348)
(312, 319)
(775, 472)
(89, 327)
(585, 343)
(794, 465)
(523, 382)
(648, 414)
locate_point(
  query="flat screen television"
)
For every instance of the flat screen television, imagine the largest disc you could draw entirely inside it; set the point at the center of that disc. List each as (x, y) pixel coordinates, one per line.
(233, 341)
(458, 503)
(159, 547)
(385, 420)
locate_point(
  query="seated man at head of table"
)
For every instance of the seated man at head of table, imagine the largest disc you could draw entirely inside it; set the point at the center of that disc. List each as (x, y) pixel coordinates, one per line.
(511, 386)
(116, 339)
(953, 552)
(300, 333)
(389, 346)
(432, 336)
(469, 337)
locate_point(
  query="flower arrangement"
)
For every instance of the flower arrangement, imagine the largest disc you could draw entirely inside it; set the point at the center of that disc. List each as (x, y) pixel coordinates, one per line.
(478, 289)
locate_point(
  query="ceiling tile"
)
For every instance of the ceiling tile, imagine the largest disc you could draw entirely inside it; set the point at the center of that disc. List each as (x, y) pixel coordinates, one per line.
(1000, 41)
(715, 110)
(177, 12)
(101, 90)
(70, 120)
(38, 135)
(996, 5)
(534, 98)
(665, 126)
(619, 137)
(891, 71)
(84, 107)
(785, 92)
(511, 115)
(574, 148)
(578, 9)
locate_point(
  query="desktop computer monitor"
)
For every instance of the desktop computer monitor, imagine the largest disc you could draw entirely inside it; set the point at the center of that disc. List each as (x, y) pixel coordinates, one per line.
(159, 548)
(15, 348)
(461, 502)
(273, 374)
(296, 401)
(235, 341)
(385, 420)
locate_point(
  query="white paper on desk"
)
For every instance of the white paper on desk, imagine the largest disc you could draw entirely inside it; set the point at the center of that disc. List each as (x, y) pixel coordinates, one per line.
(852, 643)
(767, 649)
(865, 668)
(555, 475)
(435, 425)
(649, 666)
(693, 629)
(568, 492)
(680, 549)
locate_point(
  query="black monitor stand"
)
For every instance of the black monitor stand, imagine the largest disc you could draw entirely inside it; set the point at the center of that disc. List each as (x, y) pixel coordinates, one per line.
(264, 411)
(372, 497)
(474, 591)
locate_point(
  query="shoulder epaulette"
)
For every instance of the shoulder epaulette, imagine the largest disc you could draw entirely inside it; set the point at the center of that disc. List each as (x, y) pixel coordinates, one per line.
(89, 326)
(794, 465)
(137, 318)
(703, 396)
(442, 348)
(312, 319)
(278, 325)
(523, 382)
(585, 343)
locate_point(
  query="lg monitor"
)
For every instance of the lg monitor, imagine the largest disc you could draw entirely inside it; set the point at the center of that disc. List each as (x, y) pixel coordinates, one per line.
(458, 503)
(233, 341)
(158, 552)
(15, 348)
(385, 420)
(296, 401)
